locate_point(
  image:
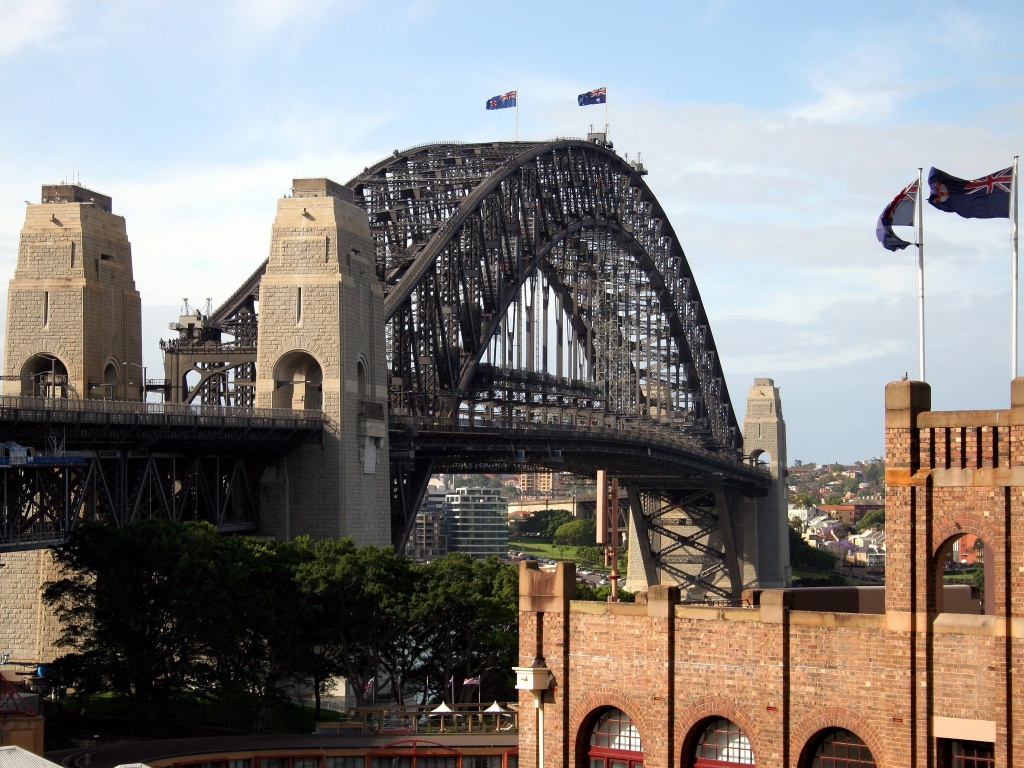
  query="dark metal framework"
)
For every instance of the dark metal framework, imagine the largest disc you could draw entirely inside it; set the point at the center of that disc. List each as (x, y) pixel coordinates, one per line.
(530, 286)
(69, 461)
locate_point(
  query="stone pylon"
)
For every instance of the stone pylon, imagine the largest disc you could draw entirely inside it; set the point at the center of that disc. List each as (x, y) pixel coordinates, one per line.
(766, 553)
(321, 347)
(74, 318)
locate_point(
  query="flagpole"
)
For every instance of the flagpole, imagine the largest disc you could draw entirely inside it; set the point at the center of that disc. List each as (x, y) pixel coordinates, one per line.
(1013, 272)
(920, 274)
(517, 128)
(606, 113)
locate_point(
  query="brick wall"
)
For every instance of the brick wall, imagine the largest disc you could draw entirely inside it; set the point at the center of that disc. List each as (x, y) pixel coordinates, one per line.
(898, 680)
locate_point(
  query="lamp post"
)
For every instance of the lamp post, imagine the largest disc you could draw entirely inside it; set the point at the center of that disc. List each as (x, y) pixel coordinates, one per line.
(142, 386)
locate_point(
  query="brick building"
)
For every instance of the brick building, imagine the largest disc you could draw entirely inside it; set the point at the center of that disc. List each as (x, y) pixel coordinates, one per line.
(871, 676)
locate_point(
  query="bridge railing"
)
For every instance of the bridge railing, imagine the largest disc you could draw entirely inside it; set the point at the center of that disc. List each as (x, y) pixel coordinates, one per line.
(126, 412)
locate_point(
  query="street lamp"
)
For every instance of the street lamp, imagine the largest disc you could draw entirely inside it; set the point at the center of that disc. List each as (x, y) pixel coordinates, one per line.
(142, 386)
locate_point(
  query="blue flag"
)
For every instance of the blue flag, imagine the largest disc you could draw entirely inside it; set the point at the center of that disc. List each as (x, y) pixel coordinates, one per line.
(596, 96)
(503, 101)
(985, 198)
(900, 212)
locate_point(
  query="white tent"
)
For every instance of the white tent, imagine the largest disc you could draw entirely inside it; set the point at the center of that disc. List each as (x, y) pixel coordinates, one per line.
(16, 757)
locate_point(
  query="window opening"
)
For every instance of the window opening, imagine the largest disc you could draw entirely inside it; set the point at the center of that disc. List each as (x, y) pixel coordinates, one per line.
(615, 742)
(840, 748)
(723, 743)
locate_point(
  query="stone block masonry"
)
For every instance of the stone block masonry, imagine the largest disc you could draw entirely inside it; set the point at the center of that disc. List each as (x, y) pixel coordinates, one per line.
(321, 345)
(72, 307)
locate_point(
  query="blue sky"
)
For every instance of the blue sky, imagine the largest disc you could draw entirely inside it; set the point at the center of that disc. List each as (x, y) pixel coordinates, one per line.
(774, 134)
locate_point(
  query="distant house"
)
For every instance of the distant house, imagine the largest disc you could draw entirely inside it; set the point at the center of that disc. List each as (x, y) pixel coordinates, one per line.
(853, 510)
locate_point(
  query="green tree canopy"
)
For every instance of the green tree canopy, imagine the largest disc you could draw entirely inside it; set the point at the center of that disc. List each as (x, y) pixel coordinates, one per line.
(576, 533)
(159, 612)
(803, 555)
(545, 522)
(873, 519)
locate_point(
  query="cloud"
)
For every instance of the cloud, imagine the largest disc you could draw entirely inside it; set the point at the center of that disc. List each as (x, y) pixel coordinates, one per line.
(30, 24)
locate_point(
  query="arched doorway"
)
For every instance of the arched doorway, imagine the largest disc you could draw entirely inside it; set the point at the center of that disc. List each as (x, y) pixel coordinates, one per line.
(44, 375)
(298, 382)
(837, 748)
(720, 743)
(614, 741)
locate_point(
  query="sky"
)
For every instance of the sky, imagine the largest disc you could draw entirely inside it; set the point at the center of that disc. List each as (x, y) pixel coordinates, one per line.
(774, 134)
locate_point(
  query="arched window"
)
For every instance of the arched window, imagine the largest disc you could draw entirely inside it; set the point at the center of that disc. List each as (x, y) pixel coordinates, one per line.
(723, 743)
(615, 742)
(361, 379)
(839, 748)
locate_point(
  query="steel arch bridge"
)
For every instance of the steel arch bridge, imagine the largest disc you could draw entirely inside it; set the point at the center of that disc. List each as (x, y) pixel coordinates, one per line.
(541, 312)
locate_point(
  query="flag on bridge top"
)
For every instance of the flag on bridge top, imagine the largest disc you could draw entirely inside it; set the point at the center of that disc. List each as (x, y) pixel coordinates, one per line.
(471, 681)
(984, 198)
(369, 686)
(504, 101)
(596, 96)
(899, 212)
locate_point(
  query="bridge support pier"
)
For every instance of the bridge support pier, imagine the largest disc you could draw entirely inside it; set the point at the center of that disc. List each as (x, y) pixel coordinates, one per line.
(321, 347)
(74, 318)
(766, 519)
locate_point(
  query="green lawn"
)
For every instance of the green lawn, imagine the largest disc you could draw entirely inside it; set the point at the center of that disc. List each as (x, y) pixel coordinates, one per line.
(538, 547)
(542, 548)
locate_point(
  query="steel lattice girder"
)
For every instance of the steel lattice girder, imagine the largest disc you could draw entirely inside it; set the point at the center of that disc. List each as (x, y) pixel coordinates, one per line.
(482, 250)
(42, 504)
(462, 230)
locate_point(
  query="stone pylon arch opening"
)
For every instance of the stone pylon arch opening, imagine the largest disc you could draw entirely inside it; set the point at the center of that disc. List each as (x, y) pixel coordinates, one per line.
(298, 382)
(761, 458)
(44, 375)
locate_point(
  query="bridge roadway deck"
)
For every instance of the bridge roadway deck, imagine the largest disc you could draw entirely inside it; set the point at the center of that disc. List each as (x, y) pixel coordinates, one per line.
(645, 453)
(55, 425)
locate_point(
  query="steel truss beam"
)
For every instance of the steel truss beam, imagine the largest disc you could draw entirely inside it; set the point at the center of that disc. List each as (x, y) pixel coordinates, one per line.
(42, 503)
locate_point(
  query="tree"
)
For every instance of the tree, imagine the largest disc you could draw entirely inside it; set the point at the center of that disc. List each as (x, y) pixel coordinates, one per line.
(576, 533)
(802, 500)
(141, 608)
(361, 597)
(803, 555)
(545, 523)
(590, 555)
(873, 519)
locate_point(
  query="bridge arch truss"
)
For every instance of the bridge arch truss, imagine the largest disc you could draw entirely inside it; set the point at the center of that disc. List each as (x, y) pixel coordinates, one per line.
(541, 286)
(540, 260)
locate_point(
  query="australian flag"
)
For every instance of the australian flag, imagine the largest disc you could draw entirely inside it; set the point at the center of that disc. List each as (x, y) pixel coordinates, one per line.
(503, 101)
(984, 198)
(596, 96)
(900, 212)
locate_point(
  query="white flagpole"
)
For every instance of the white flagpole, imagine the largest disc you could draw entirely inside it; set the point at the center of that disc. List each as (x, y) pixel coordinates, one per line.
(517, 128)
(606, 113)
(920, 274)
(1013, 272)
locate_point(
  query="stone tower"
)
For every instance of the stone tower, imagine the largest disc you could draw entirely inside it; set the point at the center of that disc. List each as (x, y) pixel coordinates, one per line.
(321, 346)
(764, 440)
(74, 318)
